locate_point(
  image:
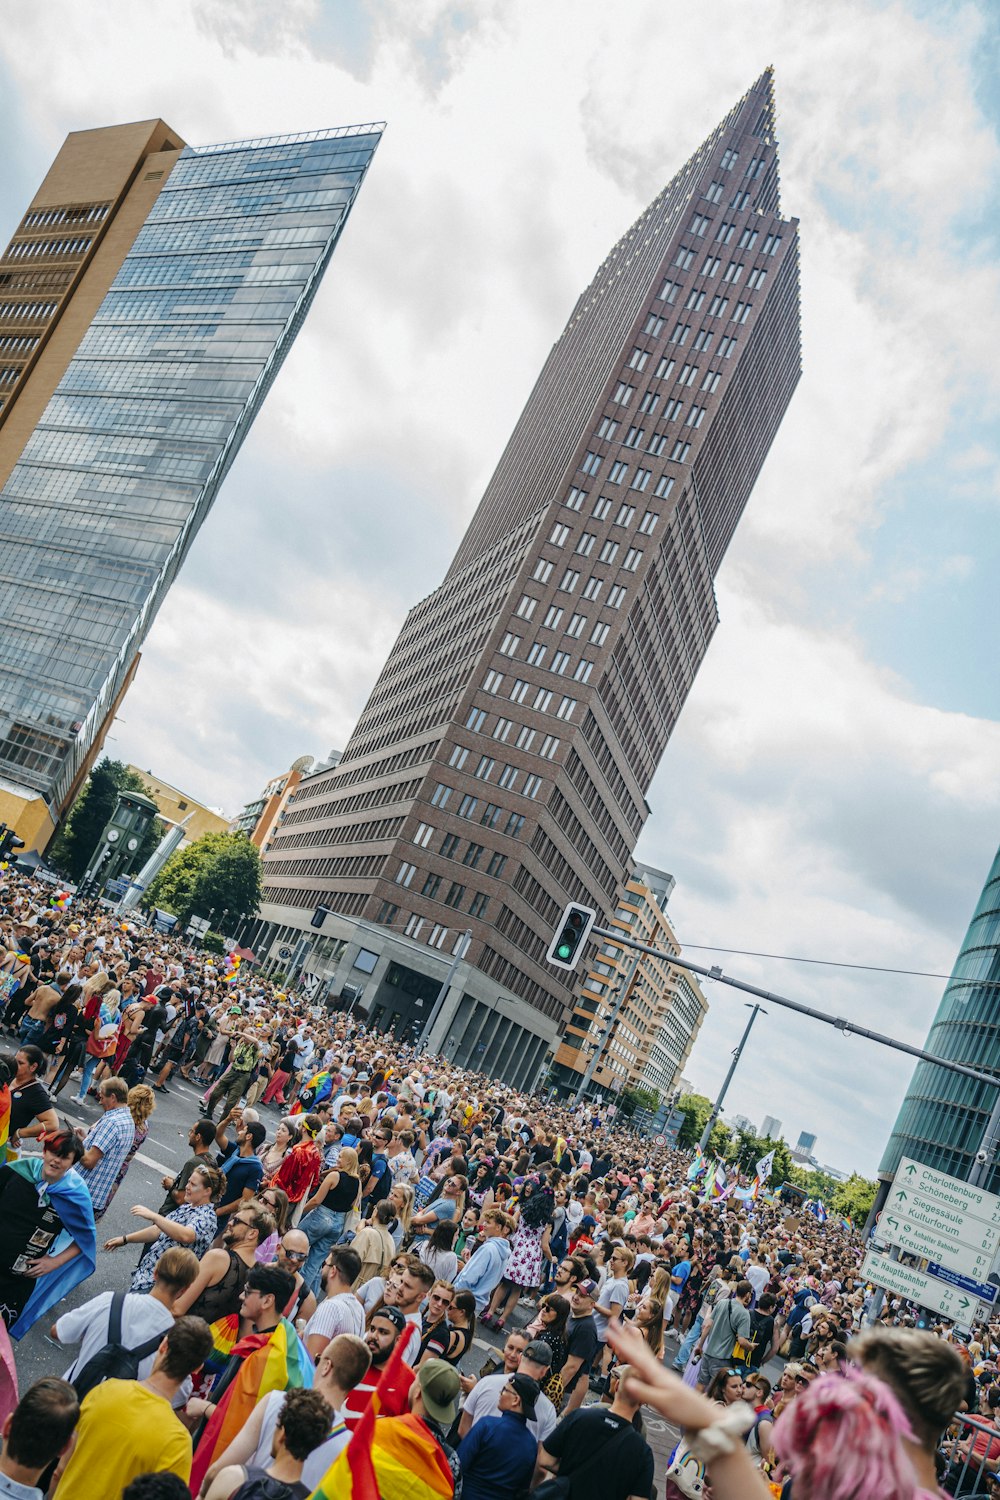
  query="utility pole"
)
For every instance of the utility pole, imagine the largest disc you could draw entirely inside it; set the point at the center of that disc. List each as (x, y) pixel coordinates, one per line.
(623, 990)
(461, 949)
(755, 1011)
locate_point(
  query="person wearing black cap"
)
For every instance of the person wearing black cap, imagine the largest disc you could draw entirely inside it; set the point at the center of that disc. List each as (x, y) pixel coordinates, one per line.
(384, 1329)
(498, 1455)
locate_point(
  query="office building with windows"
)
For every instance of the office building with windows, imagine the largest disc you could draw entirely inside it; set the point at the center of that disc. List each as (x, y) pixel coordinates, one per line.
(501, 764)
(661, 1011)
(147, 300)
(943, 1117)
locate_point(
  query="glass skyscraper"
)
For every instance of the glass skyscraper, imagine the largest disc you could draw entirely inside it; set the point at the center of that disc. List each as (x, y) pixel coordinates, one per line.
(116, 475)
(943, 1116)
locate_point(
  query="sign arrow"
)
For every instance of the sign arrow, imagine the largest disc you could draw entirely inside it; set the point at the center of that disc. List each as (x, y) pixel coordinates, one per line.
(911, 1169)
(902, 1196)
(964, 1302)
(893, 1223)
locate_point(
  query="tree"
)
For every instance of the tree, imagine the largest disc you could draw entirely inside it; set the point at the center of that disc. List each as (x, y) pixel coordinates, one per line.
(218, 876)
(696, 1109)
(747, 1149)
(854, 1198)
(76, 841)
(633, 1098)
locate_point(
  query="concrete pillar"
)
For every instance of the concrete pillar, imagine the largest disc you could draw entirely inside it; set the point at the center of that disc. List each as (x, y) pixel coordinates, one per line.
(517, 1054)
(498, 1042)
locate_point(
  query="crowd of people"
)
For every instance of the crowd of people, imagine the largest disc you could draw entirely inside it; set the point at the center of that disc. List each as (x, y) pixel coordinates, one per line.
(309, 1294)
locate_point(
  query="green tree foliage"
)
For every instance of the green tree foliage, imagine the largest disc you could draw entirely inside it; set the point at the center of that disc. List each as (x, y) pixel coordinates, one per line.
(633, 1098)
(854, 1198)
(746, 1150)
(696, 1109)
(816, 1184)
(76, 841)
(218, 876)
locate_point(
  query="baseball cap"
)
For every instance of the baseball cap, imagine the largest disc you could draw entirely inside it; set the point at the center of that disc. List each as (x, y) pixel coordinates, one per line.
(439, 1388)
(538, 1352)
(394, 1316)
(587, 1287)
(529, 1390)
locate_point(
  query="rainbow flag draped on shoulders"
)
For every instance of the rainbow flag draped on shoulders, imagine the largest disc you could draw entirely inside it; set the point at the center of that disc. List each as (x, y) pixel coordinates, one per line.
(225, 1336)
(275, 1361)
(319, 1087)
(5, 1123)
(72, 1202)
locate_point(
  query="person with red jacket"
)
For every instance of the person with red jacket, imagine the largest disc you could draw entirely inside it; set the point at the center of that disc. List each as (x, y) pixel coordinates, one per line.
(302, 1167)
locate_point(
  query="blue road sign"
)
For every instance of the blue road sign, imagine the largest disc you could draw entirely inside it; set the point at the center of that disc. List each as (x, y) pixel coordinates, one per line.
(984, 1290)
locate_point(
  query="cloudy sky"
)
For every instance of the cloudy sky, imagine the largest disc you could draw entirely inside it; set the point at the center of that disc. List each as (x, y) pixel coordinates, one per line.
(833, 788)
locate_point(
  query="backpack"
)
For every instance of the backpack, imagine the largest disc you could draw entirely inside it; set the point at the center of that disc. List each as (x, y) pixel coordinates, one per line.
(114, 1361)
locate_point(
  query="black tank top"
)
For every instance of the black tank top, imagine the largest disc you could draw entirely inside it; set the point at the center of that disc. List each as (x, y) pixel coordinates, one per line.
(259, 1485)
(340, 1198)
(223, 1298)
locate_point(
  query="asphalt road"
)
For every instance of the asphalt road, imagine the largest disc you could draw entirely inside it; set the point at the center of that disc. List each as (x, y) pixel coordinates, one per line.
(163, 1152)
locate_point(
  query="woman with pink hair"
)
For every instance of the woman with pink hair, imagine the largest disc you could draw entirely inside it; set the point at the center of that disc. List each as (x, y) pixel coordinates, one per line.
(845, 1438)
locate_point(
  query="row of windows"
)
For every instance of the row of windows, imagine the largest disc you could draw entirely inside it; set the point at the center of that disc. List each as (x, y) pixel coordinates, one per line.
(26, 249)
(90, 214)
(519, 983)
(22, 311)
(493, 816)
(16, 344)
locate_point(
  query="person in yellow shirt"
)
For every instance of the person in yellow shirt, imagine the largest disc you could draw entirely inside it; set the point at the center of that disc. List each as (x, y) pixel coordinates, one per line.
(128, 1427)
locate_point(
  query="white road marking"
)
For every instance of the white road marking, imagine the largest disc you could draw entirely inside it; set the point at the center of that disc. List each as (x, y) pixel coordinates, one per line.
(149, 1162)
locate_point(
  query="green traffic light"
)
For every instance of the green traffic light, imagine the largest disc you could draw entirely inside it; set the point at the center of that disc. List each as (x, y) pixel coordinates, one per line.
(564, 951)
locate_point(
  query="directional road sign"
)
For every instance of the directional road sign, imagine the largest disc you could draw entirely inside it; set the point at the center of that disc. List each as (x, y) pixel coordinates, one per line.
(903, 1281)
(963, 1249)
(984, 1290)
(946, 1193)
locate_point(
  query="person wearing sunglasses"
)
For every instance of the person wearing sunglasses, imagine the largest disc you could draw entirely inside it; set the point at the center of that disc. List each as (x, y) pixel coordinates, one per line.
(291, 1256)
(223, 1271)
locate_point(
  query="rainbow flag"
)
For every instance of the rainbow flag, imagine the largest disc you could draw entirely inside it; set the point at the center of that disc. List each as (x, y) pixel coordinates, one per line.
(846, 1224)
(225, 1336)
(319, 1087)
(696, 1168)
(4, 1119)
(397, 1458)
(275, 1361)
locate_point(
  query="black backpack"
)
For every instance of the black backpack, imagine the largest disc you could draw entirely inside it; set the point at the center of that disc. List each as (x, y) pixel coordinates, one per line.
(114, 1361)
(259, 1485)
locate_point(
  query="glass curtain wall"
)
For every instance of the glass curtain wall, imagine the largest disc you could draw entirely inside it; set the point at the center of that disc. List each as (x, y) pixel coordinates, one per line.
(120, 472)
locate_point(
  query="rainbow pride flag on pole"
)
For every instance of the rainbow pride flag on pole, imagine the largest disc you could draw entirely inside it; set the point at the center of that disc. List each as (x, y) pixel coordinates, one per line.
(697, 1167)
(388, 1458)
(275, 1361)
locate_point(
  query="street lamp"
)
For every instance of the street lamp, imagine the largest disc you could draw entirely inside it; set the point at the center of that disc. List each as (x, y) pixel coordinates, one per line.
(755, 1011)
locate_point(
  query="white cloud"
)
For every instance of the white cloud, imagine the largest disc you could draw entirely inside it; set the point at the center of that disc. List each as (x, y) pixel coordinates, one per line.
(810, 801)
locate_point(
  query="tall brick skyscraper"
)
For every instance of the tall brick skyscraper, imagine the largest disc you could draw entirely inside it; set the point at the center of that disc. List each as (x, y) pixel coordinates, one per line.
(501, 763)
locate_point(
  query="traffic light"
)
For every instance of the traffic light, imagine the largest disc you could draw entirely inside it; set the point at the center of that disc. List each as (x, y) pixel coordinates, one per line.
(319, 916)
(9, 841)
(572, 931)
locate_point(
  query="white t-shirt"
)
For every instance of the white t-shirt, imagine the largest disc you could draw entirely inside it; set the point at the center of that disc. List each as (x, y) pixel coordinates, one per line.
(342, 1313)
(758, 1277)
(142, 1318)
(484, 1401)
(412, 1349)
(370, 1292)
(611, 1294)
(319, 1460)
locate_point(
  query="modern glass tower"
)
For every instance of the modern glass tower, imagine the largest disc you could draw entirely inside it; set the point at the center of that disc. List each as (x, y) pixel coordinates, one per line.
(501, 764)
(149, 297)
(942, 1119)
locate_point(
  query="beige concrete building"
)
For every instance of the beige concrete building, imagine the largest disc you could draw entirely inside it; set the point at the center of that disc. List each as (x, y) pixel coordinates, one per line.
(177, 805)
(262, 817)
(662, 1012)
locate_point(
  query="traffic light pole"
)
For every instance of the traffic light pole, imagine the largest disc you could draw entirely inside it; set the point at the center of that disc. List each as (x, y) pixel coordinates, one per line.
(755, 1011)
(848, 1028)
